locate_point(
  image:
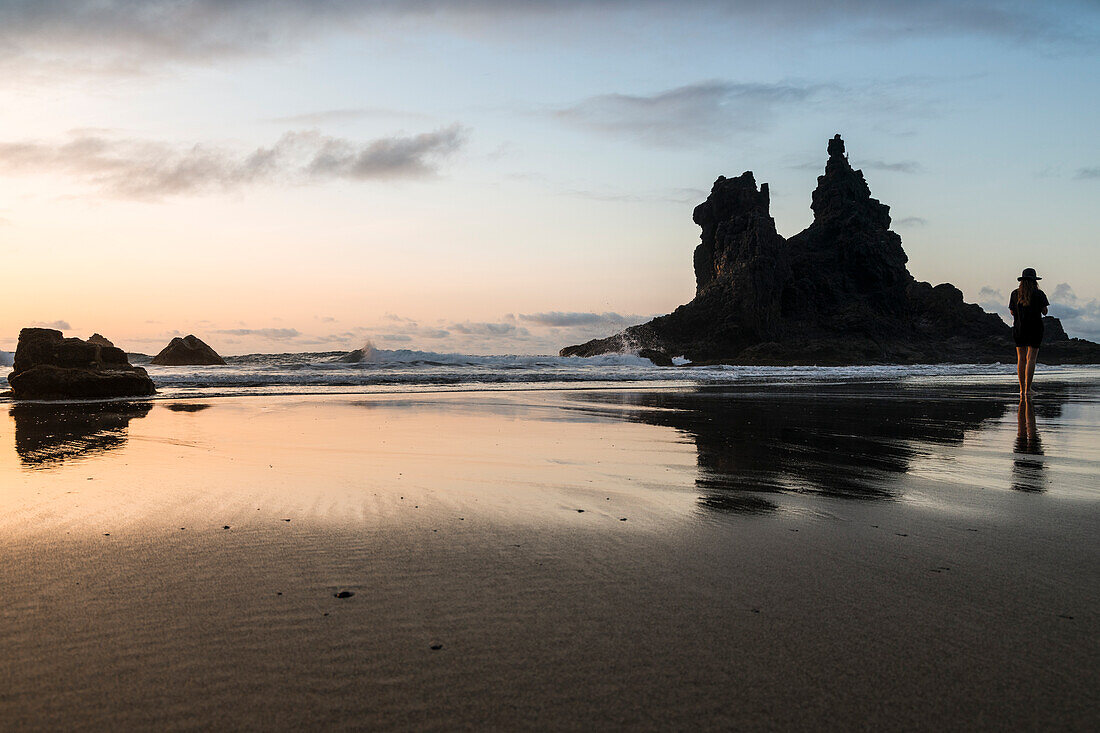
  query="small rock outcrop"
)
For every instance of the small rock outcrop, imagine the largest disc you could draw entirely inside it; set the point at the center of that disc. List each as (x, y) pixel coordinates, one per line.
(187, 351)
(353, 357)
(99, 340)
(837, 293)
(48, 366)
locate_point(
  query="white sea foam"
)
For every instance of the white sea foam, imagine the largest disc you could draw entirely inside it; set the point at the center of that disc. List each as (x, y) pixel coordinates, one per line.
(6, 358)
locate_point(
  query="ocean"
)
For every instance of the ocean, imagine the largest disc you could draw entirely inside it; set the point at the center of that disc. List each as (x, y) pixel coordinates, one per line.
(403, 370)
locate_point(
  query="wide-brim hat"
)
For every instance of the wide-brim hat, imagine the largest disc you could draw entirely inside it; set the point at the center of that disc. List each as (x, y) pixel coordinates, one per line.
(1029, 274)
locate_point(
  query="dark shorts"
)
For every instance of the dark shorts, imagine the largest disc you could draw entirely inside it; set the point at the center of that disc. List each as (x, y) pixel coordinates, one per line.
(1030, 335)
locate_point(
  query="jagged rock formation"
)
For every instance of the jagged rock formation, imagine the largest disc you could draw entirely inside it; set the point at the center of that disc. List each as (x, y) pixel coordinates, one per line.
(836, 293)
(49, 367)
(99, 340)
(187, 351)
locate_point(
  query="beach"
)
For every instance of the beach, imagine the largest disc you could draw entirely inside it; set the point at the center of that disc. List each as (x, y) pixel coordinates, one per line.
(767, 556)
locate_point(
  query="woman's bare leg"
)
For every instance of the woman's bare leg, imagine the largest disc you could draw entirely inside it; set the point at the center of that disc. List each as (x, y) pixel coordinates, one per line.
(1032, 355)
(1021, 368)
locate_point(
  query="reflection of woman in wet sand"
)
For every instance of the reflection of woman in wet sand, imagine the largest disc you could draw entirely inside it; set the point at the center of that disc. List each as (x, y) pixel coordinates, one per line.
(1027, 434)
(1027, 472)
(1028, 305)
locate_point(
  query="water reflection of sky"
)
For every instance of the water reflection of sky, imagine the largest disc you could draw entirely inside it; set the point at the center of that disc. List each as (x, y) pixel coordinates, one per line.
(748, 451)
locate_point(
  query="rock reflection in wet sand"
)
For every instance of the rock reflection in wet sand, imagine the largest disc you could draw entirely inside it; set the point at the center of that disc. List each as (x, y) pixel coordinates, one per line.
(49, 435)
(839, 441)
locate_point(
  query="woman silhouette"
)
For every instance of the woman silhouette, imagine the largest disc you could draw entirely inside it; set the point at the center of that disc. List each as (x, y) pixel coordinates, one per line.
(1028, 305)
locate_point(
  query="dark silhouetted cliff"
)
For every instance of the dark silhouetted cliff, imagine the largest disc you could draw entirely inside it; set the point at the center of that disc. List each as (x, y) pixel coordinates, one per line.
(836, 293)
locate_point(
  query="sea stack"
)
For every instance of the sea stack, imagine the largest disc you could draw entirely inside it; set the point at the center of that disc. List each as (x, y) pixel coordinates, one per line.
(836, 293)
(50, 367)
(187, 351)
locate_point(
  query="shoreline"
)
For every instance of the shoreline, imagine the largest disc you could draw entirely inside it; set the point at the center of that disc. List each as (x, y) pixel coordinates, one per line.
(964, 376)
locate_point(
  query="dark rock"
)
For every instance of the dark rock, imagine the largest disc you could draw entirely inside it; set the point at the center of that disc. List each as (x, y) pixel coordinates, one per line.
(659, 358)
(436, 647)
(99, 340)
(353, 357)
(187, 351)
(837, 293)
(836, 146)
(48, 366)
(187, 407)
(344, 594)
(1053, 331)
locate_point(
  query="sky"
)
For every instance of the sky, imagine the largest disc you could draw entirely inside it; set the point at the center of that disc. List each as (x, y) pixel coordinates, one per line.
(498, 176)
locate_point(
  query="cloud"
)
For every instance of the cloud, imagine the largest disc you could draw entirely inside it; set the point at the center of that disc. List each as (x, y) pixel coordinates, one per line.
(911, 221)
(672, 195)
(994, 301)
(523, 333)
(1087, 174)
(132, 168)
(396, 325)
(901, 166)
(1079, 317)
(485, 329)
(558, 319)
(57, 325)
(685, 115)
(127, 35)
(391, 157)
(275, 334)
(342, 115)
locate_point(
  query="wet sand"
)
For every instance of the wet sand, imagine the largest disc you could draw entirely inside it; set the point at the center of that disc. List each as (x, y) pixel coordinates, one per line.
(843, 556)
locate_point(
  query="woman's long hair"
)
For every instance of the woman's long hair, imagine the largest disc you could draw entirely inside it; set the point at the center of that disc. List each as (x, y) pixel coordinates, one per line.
(1027, 288)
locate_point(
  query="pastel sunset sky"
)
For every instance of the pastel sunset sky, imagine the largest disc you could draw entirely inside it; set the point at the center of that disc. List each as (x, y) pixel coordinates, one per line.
(505, 176)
